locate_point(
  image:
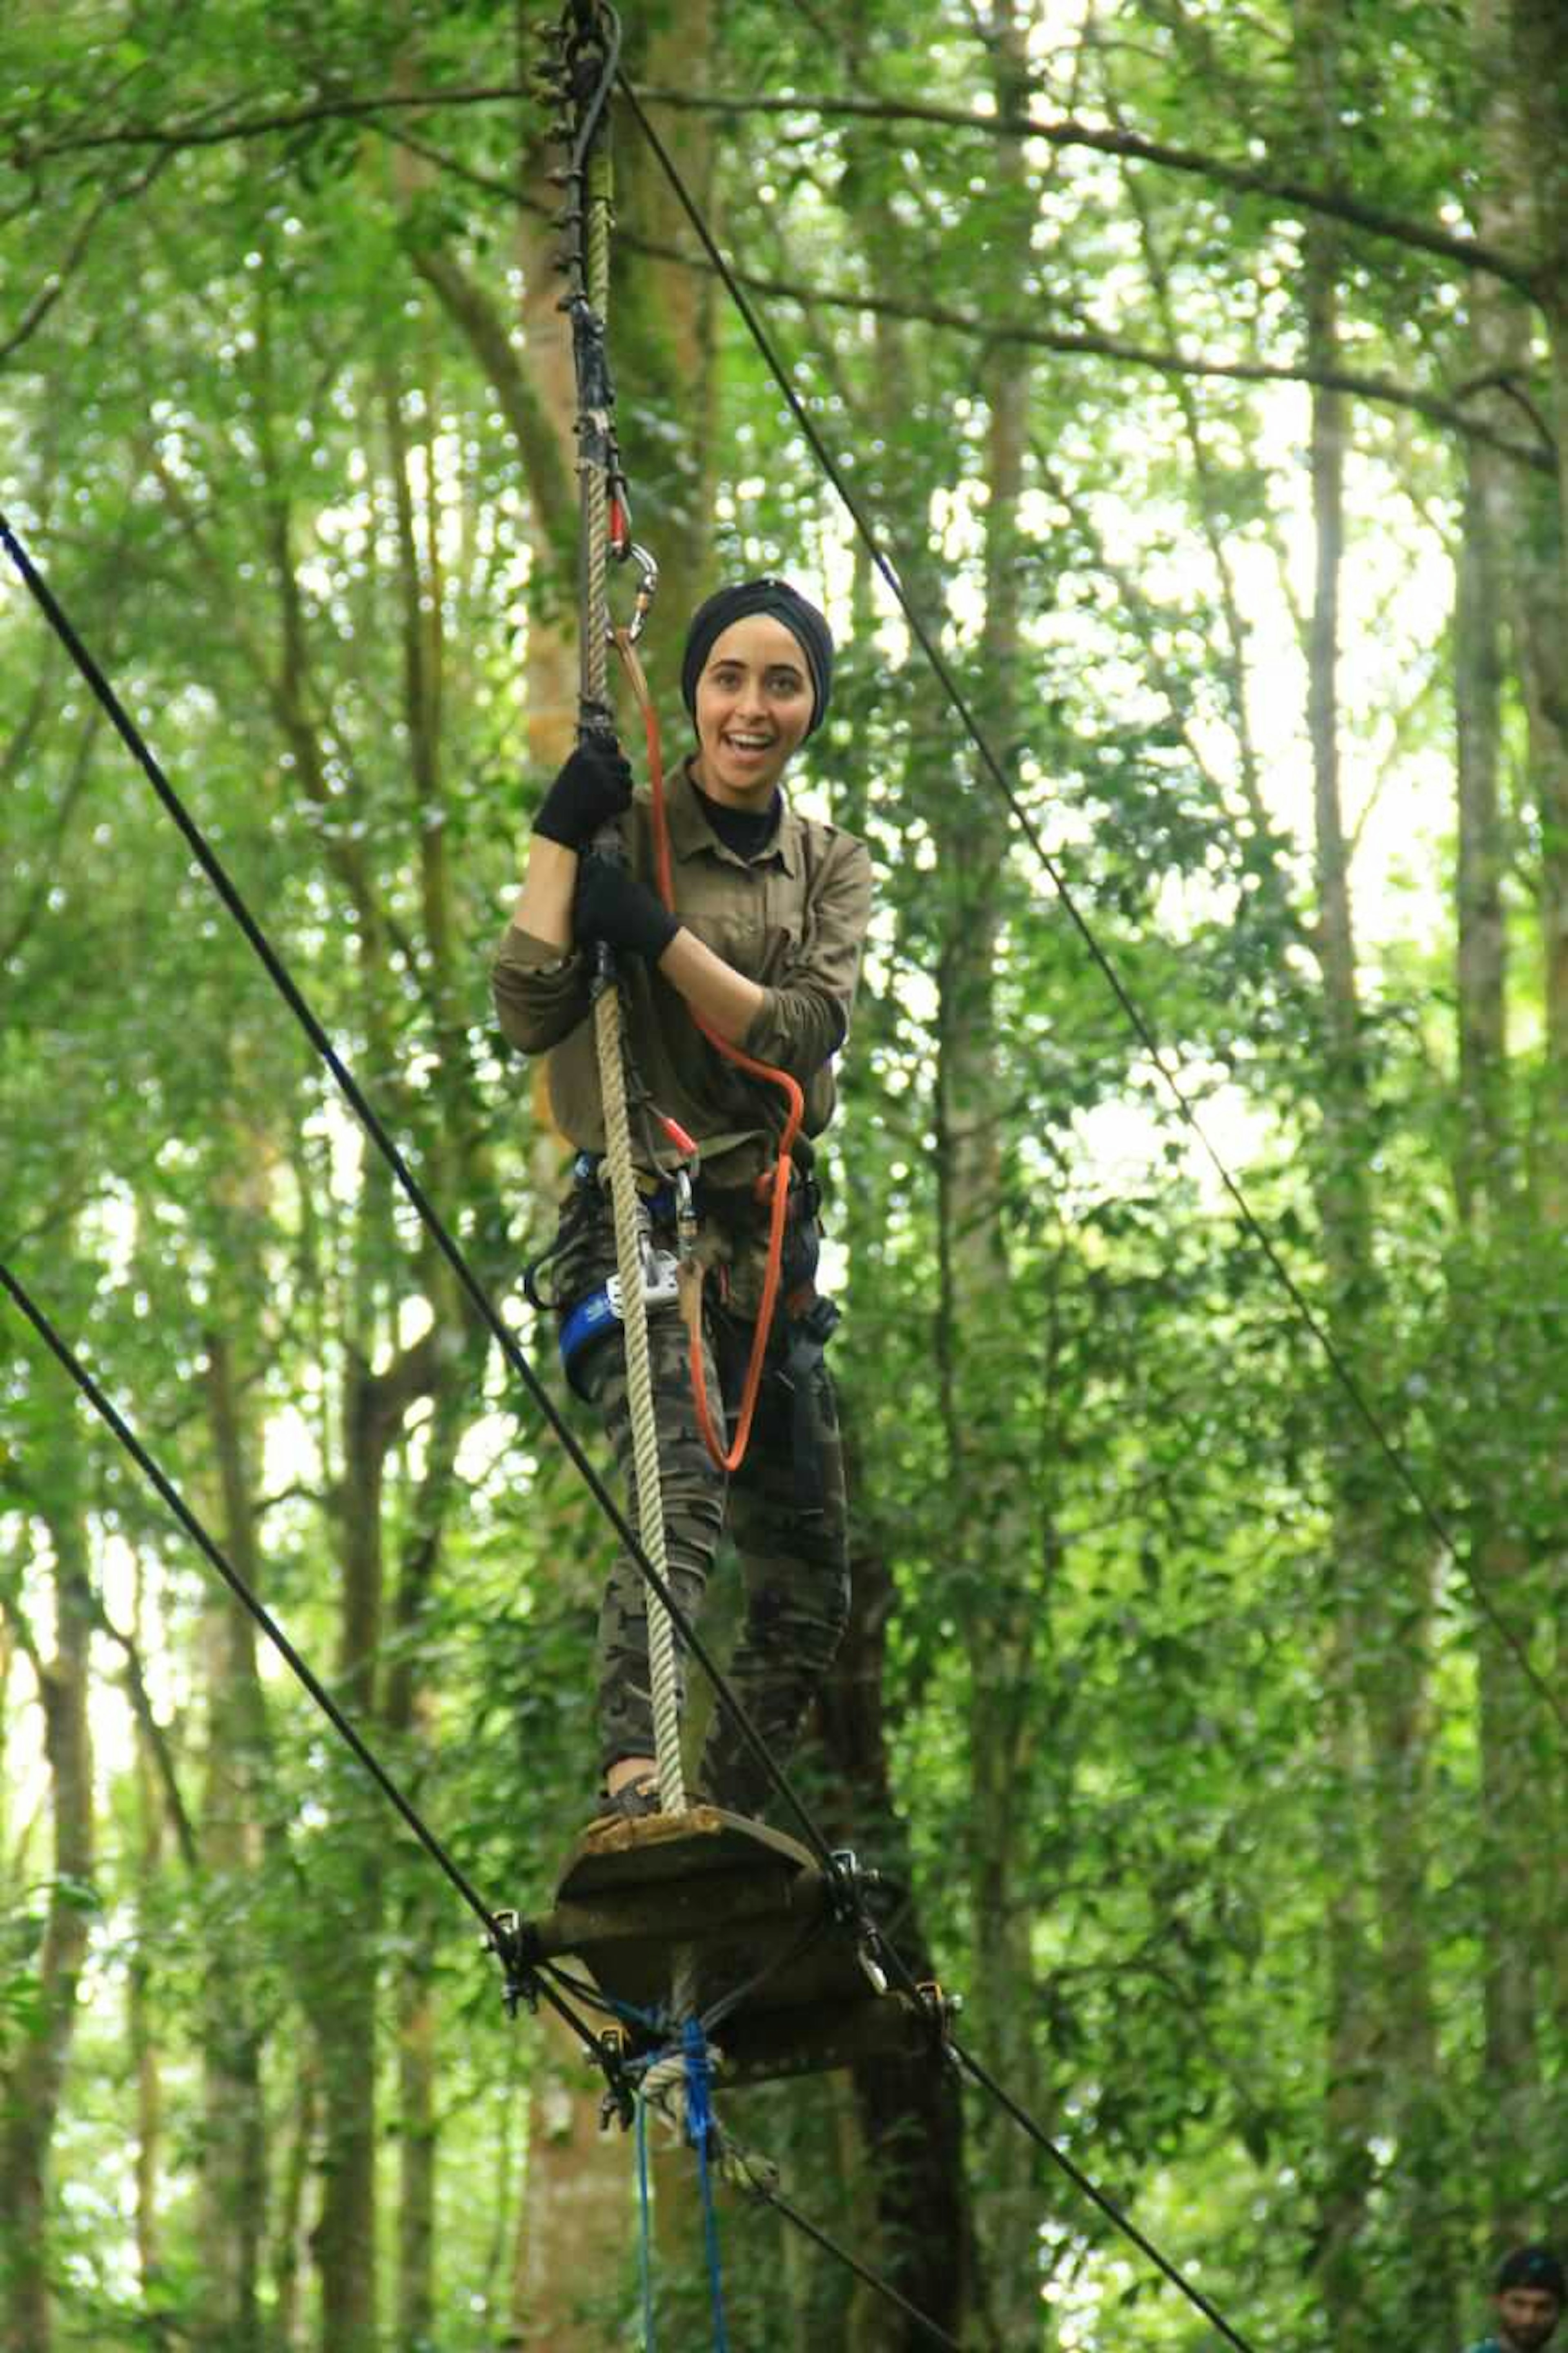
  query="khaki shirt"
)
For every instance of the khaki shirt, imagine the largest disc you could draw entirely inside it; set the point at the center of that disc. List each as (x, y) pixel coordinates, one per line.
(792, 919)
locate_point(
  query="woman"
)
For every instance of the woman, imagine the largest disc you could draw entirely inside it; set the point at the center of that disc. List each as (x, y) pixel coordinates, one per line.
(763, 946)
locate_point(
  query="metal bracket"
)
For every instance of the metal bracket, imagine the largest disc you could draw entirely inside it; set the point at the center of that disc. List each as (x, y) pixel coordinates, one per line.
(940, 2009)
(510, 1944)
(618, 2105)
(849, 1884)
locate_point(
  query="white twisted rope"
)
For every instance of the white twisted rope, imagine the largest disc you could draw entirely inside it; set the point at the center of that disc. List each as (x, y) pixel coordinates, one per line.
(648, 1494)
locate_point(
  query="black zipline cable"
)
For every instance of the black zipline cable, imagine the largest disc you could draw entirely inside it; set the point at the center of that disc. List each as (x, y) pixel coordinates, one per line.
(348, 1086)
(791, 2214)
(1108, 2206)
(108, 1412)
(1142, 1027)
(900, 1968)
(104, 1407)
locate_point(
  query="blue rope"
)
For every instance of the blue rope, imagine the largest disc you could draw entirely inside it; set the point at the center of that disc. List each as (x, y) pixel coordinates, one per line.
(645, 2265)
(699, 2131)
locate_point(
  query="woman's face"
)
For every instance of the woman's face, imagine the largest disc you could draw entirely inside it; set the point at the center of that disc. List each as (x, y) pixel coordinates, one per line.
(754, 702)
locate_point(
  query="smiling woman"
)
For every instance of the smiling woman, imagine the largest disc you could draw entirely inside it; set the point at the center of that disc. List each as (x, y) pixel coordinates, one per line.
(754, 706)
(759, 944)
(756, 678)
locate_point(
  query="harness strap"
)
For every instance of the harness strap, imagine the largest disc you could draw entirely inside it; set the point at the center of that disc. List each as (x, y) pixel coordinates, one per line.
(810, 1327)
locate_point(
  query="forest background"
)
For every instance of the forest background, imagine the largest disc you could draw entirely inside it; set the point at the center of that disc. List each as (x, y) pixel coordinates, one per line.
(1204, 370)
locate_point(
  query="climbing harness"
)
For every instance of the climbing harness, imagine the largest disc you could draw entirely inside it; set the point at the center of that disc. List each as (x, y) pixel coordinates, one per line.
(591, 1320)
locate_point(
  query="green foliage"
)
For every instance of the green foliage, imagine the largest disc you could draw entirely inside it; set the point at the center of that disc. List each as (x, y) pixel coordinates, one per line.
(1183, 1705)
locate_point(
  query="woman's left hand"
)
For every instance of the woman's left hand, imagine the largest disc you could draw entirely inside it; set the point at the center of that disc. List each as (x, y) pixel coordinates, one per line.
(612, 905)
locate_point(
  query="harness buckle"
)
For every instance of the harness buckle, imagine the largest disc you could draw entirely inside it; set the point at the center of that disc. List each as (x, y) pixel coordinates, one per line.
(601, 1312)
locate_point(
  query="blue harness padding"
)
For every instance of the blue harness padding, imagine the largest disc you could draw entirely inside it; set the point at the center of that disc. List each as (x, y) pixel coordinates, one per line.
(599, 1313)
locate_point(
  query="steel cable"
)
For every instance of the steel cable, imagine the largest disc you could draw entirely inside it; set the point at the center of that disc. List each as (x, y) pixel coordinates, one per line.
(497, 1934)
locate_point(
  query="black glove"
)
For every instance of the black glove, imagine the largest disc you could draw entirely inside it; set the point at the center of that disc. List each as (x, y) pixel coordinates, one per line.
(614, 906)
(594, 785)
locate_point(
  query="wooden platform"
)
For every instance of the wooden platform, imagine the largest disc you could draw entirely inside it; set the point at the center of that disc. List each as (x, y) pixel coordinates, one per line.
(754, 1912)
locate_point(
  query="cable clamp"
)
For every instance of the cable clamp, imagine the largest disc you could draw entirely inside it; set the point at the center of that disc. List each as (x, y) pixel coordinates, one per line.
(513, 1945)
(848, 1885)
(940, 2009)
(613, 2050)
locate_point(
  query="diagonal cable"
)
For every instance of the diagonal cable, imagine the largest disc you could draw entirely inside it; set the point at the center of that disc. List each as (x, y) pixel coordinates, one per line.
(767, 2196)
(497, 1936)
(348, 1086)
(1091, 2190)
(104, 1407)
(899, 1968)
(1142, 1029)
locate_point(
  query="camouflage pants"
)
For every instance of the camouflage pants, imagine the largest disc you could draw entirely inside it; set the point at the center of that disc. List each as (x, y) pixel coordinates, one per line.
(794, 1548)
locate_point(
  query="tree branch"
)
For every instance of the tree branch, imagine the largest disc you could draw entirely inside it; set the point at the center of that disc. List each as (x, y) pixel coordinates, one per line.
(1088, 343)
(152, 1731)
(57, 280)
(1244, 179)
(24, 922)
(1469, 253)
(1082, 342)
(485, 330)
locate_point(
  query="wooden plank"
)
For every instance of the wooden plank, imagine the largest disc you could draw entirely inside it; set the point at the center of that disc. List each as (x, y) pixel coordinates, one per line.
(761, 2046)
(752, 1913)
(676, 1846)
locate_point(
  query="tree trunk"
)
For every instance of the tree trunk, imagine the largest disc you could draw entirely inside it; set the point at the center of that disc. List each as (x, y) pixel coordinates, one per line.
(31, 2089)
(1513, 568)
(996, 1518)
(911, 2116)
(139, 2014)
(573, 2223)
(234, 2145)
(1364, 1597)
(666, 337)
(409, 1725)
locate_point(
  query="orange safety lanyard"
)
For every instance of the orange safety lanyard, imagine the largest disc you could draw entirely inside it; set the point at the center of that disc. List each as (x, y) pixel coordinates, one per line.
(730, 1460)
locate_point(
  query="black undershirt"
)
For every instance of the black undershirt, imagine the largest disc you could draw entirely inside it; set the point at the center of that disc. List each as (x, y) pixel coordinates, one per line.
(742, 831)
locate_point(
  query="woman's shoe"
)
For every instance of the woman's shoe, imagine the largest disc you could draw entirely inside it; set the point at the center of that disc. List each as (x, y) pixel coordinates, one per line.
(632, 1802)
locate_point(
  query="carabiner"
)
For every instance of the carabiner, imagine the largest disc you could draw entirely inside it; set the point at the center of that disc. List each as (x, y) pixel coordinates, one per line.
(623, 549)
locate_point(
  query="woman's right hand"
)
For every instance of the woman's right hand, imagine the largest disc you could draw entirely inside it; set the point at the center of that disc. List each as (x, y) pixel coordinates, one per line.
(593, 789)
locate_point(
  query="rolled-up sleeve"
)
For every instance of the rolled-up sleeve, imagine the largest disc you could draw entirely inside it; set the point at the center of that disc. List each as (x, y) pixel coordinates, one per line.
(805, 1017)
(539, 994)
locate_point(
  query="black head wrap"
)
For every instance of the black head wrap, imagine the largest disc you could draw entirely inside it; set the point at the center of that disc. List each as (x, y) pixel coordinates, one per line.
(1535, 2267)
(784, 604)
